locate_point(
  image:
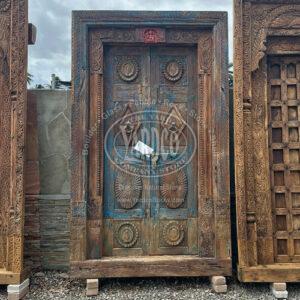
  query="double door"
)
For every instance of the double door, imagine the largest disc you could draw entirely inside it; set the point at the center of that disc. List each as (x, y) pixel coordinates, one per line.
(150, 157)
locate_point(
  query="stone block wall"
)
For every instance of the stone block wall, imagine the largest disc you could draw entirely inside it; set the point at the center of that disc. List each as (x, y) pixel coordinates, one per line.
(47, 203)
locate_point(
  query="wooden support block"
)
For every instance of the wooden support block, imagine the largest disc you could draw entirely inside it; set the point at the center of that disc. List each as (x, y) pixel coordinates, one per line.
(18, 291)
(279, 291)
(218, 284)
(92, 287)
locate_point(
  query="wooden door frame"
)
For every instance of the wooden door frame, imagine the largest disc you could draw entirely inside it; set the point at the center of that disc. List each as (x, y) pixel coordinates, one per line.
(13, 92)
(209, 32)
(257, 26)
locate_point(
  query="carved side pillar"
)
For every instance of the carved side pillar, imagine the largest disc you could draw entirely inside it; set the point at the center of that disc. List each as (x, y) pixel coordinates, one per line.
(13, 94)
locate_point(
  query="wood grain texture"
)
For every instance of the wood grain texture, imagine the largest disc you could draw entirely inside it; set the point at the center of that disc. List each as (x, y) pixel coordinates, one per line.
(189, 266)
(262, 29)
(13, 94)
(91, 237)
(279, 272)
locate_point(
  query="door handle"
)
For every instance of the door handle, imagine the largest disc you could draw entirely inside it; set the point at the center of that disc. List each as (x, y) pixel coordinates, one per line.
(154, 159)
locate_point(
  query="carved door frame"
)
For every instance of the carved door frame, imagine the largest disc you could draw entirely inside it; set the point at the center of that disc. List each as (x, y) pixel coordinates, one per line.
(209, 32)
(13, 91)
(261, 29)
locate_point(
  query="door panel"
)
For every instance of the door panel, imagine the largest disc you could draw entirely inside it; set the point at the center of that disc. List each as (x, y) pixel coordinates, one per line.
(155, 212)
(126, 87)
(284, 143)
(174, 210)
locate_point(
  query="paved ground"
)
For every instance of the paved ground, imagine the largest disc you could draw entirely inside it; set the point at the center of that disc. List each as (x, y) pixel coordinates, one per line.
(53, 285)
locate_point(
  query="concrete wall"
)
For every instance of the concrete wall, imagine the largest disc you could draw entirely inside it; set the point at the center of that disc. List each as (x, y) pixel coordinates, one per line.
(48, 204)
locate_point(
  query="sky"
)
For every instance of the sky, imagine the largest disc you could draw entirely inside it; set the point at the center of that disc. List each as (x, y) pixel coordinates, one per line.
(52, 52)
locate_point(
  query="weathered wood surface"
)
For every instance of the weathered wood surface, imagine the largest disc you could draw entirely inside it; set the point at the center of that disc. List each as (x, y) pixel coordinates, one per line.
(264, 165)
(13, 90)
(181, 265)
(287, 272)
(137, 73)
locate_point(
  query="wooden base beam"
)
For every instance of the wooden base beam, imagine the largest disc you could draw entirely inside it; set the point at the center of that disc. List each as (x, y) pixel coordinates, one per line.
(284, 272)
(158, 266)
(7, 277)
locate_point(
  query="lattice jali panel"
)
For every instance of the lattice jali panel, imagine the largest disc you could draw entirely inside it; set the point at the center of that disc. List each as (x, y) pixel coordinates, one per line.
(284, 145)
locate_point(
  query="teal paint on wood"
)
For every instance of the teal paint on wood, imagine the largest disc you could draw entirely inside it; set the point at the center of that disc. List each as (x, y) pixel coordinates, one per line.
(151, 92)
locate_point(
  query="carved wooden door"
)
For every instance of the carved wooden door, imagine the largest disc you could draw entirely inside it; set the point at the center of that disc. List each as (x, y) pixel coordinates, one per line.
(150, 161)
(284, 144)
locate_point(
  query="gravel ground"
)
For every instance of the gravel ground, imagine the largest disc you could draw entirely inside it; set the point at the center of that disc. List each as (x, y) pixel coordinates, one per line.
(54, 285)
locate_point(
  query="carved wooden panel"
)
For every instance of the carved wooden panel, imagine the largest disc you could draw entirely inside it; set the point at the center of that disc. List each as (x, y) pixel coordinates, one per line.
(266, 138)
(169, 81)
(13, 74)
(284, 144)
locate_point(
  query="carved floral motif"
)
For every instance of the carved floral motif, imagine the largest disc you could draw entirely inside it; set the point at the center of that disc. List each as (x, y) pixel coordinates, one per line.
(128, 69)
(127, 234)
(173, 233)
(173, 70)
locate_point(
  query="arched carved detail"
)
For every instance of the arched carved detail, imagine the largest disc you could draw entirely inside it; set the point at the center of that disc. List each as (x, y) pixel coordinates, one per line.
(261, 25)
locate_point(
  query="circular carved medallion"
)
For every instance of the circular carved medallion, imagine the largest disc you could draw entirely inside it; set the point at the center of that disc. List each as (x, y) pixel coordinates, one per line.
(4, 5)
(127, 234)
(173, 189)
(173, 70)
(128, 70)
(128, 189)
(173, 233)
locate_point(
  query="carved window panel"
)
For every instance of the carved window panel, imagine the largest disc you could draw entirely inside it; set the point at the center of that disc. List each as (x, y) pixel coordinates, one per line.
(266, 62)
(284, 76)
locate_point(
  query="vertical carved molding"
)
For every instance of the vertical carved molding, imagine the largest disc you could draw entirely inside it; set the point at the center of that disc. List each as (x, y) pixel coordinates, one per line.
(13, 96)
(78, 166)
(205, 197)
(96, 147)
(248, 137)
(261, 171)
(241, 204)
